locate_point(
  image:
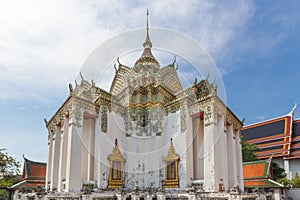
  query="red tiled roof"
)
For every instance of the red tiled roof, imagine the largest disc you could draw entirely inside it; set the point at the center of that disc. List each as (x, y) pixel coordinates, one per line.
(272, 137)
(34, 170)
(33, 175)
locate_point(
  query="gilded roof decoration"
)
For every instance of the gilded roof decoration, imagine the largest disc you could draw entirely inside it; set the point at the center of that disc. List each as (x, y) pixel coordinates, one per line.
(116, 154)
(171, 153)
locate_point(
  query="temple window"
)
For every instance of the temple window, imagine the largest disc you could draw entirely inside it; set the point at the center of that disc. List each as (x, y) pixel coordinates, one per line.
(171, 173)
(116, 170)
(171, 170)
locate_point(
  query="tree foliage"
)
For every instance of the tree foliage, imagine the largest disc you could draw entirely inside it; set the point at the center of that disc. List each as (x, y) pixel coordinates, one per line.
(296, 181)
(284, 181)
(248, 151)
(278, 172)
(9, 172)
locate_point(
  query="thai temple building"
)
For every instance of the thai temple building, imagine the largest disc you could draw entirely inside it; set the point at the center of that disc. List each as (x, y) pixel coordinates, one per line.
(278, 138)
(145, 138)
(258, 178)
(32, 181)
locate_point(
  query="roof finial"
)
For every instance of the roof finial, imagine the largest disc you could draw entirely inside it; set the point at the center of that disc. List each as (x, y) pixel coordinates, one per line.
(293, 109)
(147, 20)
(147, 43)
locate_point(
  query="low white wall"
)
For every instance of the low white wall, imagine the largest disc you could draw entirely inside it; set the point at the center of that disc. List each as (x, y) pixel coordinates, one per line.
(294, 193)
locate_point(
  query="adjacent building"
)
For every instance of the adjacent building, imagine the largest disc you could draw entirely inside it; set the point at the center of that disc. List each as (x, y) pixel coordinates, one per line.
(278, 138)
(32, 181)
(258, 178)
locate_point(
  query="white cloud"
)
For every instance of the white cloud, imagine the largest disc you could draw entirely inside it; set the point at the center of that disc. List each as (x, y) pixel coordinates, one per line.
(44, 43)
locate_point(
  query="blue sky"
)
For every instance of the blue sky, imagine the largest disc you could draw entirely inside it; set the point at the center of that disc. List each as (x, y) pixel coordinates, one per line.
(255, 45)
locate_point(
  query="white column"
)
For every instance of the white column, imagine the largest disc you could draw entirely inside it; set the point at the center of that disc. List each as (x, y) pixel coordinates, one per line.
(189, 151)
(73, 175)
(197, 144)
(49, 161)
(221, 154)
(97, 163)
(196, 148)
(85, 150)
(225, 154)
(63, 154)
(209, 149)
(286, 165)
(55, 157)
(240, 176)
(232, 174)
(61, 159)
(277, 193)
(91, 154)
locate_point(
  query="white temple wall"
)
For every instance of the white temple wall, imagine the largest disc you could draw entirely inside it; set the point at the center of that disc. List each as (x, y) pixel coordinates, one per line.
(179, 143)
(144, 155)
(115, 125)
(130, 163)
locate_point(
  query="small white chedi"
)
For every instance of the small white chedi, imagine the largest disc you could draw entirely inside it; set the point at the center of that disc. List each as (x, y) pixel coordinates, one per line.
(145, 138)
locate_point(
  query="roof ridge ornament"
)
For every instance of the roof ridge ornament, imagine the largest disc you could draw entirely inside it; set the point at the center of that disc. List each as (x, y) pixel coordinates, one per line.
(294, 108)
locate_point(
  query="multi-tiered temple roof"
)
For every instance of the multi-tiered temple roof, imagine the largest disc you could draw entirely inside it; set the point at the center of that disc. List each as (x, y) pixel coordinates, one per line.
(278, 137)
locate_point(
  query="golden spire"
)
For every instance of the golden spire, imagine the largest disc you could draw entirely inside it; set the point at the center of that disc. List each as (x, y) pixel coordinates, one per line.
(171, 152)
(147, 20)
(147, 46)
(147, 43)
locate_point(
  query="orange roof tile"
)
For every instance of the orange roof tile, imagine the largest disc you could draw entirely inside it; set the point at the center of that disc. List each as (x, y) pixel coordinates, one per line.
(256, 169)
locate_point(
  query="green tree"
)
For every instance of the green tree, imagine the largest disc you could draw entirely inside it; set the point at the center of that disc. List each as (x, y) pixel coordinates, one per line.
(278, 172)
(296, 181)
(248, 151)
(9, 172)
(284, 181)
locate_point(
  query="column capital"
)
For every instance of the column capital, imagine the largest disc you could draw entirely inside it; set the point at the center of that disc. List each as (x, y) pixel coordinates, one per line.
(210, 115)
(75, 116)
